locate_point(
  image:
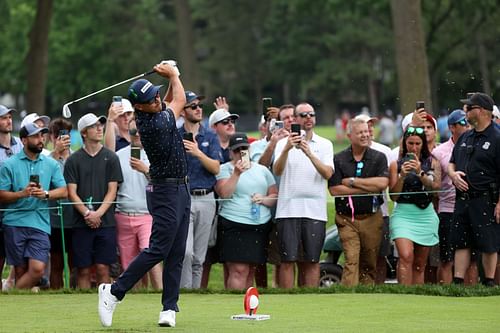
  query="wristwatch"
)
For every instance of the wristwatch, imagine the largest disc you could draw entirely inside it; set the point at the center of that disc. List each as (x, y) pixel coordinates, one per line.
(46, 195)
(422, 173)
(351, 182)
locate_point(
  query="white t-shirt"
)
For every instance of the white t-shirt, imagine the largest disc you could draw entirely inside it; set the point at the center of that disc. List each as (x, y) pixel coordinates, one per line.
(387, 152)
(302, 190)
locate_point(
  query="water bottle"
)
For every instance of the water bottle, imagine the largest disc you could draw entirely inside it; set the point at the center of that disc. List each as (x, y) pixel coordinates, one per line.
(255, 211)
(374, 204)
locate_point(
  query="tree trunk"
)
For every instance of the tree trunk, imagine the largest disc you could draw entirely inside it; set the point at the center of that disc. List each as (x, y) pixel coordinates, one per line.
(411, 55)
(38, 57)
(187, 53)
(483, 63)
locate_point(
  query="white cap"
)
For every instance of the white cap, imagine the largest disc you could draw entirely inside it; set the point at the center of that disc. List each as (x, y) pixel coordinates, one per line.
(496, 112)
(219, 115)
(127, 106)
(32, 117)
(88, 120)
(366, 118)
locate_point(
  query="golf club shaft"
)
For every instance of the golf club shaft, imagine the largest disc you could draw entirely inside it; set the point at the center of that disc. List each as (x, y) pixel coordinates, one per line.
(112, 86)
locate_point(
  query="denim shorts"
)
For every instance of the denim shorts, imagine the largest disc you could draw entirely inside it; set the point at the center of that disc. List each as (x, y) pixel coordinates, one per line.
(23, 243)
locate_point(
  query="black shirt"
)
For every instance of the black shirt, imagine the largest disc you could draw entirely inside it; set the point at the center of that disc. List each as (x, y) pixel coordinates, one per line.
(477, 154)
(374, 165)
(163, 144)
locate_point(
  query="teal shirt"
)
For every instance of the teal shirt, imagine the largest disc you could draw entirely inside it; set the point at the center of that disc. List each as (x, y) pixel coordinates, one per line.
(14, 177)
(257, 179)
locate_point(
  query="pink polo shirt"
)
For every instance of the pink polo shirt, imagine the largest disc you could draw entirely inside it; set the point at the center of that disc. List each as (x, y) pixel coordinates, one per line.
(446, 198)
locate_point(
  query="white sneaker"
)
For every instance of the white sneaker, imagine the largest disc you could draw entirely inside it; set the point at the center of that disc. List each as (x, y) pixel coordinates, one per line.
(167, 318)
(7, 284)
(107, 304)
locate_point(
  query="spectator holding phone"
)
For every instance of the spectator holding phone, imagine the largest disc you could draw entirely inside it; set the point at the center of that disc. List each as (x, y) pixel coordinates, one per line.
(414, 223)
(27, 181)
(203, 161)
(249, 191)
(120, 113)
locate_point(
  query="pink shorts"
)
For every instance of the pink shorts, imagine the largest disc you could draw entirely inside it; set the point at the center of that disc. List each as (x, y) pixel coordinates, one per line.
(132, 234)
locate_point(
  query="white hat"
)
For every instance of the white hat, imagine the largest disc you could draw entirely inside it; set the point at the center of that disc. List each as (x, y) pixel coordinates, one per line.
(496, 112)
(127, 106)
(32, 117)
(88, 120)
(366, 118)
(219, 115)
(406, 121)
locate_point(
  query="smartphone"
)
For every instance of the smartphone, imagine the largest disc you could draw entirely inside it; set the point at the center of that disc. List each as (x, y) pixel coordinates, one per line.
(245, 157)
(63, 132)
(279, 124)
(135, 152)
(420, 105)
(408, 157)
(117, 99)
(188, 136)
(266, 102)
(35, 179)
(296, 128)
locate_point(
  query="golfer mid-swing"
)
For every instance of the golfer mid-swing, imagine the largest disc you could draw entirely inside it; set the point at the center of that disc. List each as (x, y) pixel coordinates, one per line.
(167, 195)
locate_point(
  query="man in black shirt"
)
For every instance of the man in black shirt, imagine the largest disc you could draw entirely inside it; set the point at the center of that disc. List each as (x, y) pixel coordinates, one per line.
(475, 171)
(359, 170)
(168, 195)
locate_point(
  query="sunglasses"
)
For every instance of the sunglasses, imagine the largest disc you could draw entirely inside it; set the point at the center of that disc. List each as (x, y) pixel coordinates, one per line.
(414, 130)
(471, 107)
(462, 122)
(194, 106)
(359, 168)
(305, 114)
(227, 121)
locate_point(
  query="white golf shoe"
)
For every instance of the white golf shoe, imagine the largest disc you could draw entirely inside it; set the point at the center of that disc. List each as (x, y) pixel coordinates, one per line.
(167, 318)
(107, 304)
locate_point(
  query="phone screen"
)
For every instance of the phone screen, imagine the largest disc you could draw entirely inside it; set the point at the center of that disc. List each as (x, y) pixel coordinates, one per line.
(420, 105)
(63, 132)
(117, 99)
(296, 128)
(188, 136)
(35, 179)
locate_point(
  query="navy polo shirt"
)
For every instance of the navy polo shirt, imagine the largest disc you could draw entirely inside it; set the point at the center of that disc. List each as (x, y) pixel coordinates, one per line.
(208, 143)
(163, 144)
(120, 143)
(477, 154)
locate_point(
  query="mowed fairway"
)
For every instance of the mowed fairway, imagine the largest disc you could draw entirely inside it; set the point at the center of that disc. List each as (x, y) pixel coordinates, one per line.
(289, 313)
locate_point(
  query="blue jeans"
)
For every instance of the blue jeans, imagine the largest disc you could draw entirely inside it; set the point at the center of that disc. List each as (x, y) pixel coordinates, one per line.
(169, 204)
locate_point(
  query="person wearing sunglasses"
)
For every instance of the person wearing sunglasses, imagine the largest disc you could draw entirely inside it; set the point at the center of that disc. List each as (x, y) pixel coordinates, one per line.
(474, 169)
(9, 146)
(457, 125)
(414, 222)
(305, 163)
(224, 125)
(248, 190)
(361, 175)
(203, 161)
(167, 194)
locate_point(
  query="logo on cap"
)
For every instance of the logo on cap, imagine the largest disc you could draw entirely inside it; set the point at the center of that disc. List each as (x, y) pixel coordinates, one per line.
(146, 87)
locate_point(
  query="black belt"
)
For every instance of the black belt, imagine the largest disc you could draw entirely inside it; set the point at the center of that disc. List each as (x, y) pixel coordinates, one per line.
(201, 191)
(178, 181)
(472, 194)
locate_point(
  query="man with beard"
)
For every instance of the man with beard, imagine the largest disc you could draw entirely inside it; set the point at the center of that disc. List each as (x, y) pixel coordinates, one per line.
(203, 161)
(27, 181)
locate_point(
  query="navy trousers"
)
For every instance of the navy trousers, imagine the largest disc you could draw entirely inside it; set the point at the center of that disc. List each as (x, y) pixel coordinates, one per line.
(169, 204)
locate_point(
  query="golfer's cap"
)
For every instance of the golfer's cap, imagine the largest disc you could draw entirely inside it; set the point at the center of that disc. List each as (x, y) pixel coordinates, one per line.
(238, 140)
(142, 91)
(191, 96)
(31, 129)
(366, 118)
(480, 99)
(32, 117)
(219, 115)
(456, 116)
(4, 110)
(88, 120)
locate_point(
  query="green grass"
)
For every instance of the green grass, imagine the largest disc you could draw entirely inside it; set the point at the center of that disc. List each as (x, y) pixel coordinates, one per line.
(289, 312)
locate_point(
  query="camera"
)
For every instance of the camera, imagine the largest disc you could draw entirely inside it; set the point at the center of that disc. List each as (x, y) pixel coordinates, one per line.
(275, 125)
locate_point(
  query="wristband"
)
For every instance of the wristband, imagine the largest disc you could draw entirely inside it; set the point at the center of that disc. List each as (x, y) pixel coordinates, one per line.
(86, 213)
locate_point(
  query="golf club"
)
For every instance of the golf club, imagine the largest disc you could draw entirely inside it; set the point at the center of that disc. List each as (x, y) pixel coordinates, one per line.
(67, 112)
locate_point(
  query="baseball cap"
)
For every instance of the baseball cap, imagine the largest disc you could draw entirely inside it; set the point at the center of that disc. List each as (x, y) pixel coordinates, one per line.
(219, 115)
(480, 99)
(4, 110)
(88, 120)
(32, 117)
(366, 118)
(127, 106)
(456, 116)
(191, 96)
(408, 118)
(238, 140)
(431, 119)
(31, 129)
(142, 91)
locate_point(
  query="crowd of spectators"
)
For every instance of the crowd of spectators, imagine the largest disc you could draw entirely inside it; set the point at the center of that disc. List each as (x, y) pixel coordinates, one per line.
(256, 204)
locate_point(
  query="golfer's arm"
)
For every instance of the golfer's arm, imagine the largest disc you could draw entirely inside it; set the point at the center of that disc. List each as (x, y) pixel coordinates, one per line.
(178, 98)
